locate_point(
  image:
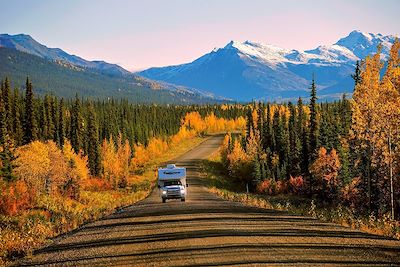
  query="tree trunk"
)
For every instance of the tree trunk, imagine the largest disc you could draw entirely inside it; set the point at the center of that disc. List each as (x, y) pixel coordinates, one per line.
(391, 177)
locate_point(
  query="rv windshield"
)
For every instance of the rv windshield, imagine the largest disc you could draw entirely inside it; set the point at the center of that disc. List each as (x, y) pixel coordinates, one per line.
(174, 182)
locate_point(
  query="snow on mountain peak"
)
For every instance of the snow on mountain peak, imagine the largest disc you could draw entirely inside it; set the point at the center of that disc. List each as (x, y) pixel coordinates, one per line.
(355, 46)
(363, 44)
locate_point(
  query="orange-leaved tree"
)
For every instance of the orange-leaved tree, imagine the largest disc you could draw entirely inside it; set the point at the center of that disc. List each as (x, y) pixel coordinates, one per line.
(326, 169)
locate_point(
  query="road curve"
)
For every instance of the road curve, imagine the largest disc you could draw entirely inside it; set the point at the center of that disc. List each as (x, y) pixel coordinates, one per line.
(208, 231)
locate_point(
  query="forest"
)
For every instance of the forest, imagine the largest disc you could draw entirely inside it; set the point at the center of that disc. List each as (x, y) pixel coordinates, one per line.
(342, 153)
(64, 162)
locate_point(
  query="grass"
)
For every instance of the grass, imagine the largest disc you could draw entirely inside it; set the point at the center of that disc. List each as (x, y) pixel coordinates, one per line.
(53, 216)
(219, 183)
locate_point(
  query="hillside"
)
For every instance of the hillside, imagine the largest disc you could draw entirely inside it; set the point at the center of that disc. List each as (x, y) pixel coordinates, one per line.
(64, 79)
(25, 43)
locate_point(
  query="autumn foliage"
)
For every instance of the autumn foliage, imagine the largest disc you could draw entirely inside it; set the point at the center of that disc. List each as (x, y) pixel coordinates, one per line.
(325, 169)
(345, 152)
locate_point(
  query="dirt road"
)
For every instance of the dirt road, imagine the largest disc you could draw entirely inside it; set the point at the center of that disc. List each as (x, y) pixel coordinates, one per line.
(208, 231)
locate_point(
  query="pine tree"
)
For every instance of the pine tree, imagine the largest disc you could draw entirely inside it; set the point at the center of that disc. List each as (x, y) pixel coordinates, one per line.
(48, 114)
(76, 133)
(294, 143)
(93, 149)
(6, 95)
(3, 119)
(314, 129)
(61, 123)
(301, 129)
(17, 131)
(357, 74)
(54, 119)
(266, 130)
(7, 158)
(30, 127)
(7, 153)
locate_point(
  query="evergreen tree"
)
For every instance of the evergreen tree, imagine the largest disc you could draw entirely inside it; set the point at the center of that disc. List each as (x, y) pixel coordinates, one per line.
(294, 143)
(3, 120)
(48, 114)
(93, 149)
(266, 130)
(54, 119)
(302, 130)
(7, 158)
(357, 74)
(76, 133)
(30, 127)
(17, 131)
(61, 124)
(7, 155)
(314, 129)
(6, 95)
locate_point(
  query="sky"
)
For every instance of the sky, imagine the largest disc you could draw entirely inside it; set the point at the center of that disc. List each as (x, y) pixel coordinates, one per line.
(141, 34)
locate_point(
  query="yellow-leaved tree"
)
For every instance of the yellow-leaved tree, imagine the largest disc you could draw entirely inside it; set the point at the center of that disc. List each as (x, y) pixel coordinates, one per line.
(375, 124)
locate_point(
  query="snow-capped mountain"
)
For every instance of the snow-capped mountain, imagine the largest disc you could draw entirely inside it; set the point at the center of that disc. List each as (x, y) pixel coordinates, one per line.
(249, 70)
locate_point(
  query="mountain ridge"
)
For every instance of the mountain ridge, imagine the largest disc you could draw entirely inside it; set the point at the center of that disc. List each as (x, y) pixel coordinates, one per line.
(251, 70)
(54, 70)
(25, 43)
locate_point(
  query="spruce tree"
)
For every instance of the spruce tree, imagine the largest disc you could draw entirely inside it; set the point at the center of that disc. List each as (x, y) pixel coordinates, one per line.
(30, 127)
(93, 149)
(294, 143)
(76, 131)
(61, 124)
(3, 118)
(6, 95)
(266, 131)
(54, 119)
(7, 153)
(17, 131)
(302, 130)
(7, 158)
(357, 74)
(314, 130)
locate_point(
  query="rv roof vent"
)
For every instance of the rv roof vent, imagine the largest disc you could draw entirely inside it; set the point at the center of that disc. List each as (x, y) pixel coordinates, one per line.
(171, 166)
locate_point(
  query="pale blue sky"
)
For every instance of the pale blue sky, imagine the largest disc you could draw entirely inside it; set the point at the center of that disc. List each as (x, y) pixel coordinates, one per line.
(140, 34)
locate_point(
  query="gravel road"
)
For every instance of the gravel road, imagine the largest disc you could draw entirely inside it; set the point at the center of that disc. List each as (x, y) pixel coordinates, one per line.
(208, 231)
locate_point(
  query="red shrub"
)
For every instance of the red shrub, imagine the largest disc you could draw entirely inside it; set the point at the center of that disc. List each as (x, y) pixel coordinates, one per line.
(15, 197)
(265, 187)
(281, 187)
(96, 184)
(296, 184)
(351, 193)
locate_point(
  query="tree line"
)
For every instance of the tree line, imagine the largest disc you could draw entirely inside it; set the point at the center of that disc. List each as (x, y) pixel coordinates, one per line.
(86, 123)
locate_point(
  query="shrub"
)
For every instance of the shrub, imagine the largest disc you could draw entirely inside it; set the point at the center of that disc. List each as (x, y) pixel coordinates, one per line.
(96, 184)
(296, 184)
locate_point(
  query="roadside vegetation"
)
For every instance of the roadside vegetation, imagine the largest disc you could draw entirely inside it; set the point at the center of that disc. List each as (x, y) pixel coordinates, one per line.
(66, 164)
(336, 161)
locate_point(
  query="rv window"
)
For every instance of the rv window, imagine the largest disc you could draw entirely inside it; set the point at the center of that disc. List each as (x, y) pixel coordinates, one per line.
(175, 182)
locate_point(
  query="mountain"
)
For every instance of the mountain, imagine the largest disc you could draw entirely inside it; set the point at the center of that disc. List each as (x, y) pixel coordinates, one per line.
(249, 70)
(54, 71)
(27, 44)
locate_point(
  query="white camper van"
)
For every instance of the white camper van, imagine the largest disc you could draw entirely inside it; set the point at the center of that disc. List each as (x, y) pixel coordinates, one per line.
(172, 182)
